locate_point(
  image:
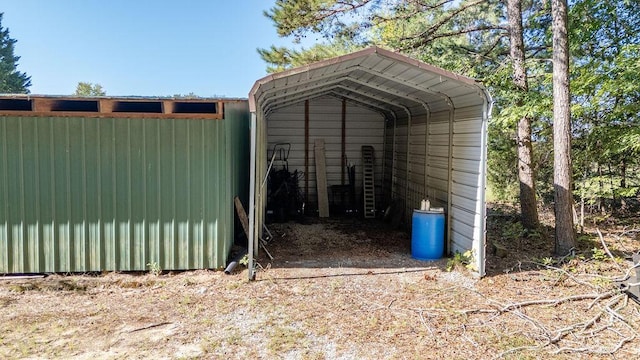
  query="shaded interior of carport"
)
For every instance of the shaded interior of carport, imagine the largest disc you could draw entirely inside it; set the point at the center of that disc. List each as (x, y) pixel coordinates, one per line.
(427, 127)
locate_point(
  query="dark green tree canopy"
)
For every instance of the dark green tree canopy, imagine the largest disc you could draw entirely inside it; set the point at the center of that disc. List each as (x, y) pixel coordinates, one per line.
(472, 37)
(12, 81)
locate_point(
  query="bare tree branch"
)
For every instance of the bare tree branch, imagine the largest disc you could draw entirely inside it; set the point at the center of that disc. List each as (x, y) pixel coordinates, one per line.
(606, 249)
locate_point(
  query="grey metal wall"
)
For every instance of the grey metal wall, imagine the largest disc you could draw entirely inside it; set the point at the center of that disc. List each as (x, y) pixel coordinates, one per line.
(468, 172)
(363, 127)
(93, 194)
(413, 151)
(432, 159)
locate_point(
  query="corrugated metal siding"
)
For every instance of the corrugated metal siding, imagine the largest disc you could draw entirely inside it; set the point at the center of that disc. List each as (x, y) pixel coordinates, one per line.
(427, 175)
(363, 127)
(428, 156)
(238, 150)
(416, 190)
(93, 194)
(438, 148)
(466, 190)
(400, 159)
(388, 162)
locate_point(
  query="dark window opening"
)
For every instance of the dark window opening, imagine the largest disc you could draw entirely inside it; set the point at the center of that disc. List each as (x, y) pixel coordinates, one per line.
(195, 107)
(15, 104)
(75, 105)
(137, 106)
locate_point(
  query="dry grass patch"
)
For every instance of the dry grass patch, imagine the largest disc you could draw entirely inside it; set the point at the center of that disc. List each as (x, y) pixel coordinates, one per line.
(353, 293)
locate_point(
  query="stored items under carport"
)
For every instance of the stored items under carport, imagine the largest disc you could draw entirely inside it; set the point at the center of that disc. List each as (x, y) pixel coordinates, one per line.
(284, 198)
(368, 186)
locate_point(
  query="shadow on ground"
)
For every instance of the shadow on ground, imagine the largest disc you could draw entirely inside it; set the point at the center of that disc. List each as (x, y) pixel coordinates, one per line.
(361, 244)
(341, 243)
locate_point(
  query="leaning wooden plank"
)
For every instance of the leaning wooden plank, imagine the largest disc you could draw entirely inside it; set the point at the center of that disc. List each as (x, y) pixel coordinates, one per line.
(321, 179)
(242, 215)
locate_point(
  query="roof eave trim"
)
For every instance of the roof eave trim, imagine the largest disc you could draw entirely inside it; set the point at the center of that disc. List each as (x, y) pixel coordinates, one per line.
(362, 53)
(303, 69)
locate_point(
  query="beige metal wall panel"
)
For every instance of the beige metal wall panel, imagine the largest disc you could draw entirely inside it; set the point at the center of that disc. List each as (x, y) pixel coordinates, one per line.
(286, 125)
(467, 200)
(438, 158)
(363, 127)
(116, 194)
(388, 162)
(416, 190)
(400, 162)
(325, 122)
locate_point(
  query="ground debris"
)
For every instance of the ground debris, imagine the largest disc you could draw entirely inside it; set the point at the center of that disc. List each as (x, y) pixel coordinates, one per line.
(335, 290)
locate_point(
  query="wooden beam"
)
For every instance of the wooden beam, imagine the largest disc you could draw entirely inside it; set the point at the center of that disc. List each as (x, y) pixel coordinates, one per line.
(105, 106)
(167, 106)
(242, 215)
(321, 179)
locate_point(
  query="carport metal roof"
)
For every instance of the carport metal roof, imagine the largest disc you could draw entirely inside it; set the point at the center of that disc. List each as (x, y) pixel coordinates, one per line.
(383, 80)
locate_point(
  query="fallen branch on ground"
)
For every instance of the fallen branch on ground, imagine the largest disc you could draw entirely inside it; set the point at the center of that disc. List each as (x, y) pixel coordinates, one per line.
(606, 249)
(580, 336)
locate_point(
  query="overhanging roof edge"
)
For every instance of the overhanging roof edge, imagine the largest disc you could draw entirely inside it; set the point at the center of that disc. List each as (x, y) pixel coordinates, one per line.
(362, 53)
(304, 68)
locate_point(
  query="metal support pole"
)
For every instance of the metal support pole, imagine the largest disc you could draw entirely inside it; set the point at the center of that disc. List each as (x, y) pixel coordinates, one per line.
(252, 197)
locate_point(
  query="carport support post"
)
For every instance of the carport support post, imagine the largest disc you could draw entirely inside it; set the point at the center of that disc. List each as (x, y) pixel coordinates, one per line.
(452, 113)
(252, 198)
(408, 211)
(482, 204)
(393, 157)
(344, 142)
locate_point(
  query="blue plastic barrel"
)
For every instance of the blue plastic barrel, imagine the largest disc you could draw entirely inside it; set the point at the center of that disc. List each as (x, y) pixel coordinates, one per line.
(427, 235)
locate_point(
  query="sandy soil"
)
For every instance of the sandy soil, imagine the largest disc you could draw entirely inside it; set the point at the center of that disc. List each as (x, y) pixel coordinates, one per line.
(338, 290)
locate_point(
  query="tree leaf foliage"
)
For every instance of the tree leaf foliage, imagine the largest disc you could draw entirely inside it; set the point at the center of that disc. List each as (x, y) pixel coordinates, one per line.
(89, 89)
(471, 37)
(12, 81)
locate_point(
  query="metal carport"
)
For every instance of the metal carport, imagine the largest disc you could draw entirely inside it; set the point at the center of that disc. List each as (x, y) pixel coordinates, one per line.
(434, 138)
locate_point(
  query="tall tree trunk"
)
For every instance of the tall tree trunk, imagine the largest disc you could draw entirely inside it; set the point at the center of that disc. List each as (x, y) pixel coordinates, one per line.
(526, 175)
(565, 235)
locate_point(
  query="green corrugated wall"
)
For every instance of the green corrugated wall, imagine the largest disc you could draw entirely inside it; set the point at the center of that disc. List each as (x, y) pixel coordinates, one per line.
(115, 194)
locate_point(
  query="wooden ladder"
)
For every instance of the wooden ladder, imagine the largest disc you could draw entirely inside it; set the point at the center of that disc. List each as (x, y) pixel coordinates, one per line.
(368, 186)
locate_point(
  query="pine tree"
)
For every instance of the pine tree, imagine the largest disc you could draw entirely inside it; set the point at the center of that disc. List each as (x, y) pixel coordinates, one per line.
(562, 179)
(12, 81)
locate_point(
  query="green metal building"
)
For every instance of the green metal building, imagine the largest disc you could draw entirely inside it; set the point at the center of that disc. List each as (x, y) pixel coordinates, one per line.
(116, 184)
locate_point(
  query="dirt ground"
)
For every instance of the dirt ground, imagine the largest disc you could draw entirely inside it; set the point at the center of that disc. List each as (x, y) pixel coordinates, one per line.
(342, 290)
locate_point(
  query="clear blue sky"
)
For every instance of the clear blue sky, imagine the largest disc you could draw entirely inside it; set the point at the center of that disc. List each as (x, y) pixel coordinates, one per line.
(141, 47)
